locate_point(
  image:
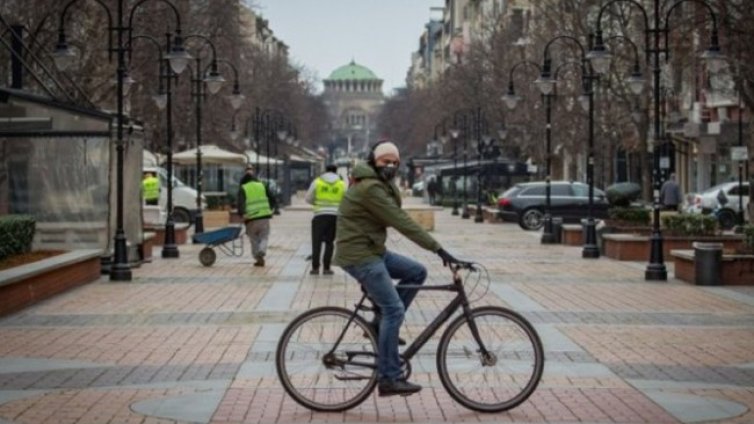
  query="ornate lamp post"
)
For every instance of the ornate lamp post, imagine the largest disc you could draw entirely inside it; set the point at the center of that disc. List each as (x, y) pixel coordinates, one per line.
(481, 144)
(214, 82)
(164, 100)
(485, 147)
(546, 84)
(656, 36)
(511, 100)
(63, 56)
(459, 126)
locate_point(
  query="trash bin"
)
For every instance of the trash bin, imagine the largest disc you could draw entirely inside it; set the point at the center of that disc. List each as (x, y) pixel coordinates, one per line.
(557, 229)
(708, 258)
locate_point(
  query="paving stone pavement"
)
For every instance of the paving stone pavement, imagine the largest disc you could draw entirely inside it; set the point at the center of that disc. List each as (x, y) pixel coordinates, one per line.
(183, 343)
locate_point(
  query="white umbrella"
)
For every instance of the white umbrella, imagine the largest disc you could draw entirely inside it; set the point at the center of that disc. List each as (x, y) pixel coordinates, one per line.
(211, 155)
(252, 157)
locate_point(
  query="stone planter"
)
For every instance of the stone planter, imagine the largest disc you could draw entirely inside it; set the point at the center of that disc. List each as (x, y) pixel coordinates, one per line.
(27, 284)
(634, 247)
(181, 233)
(737, 269)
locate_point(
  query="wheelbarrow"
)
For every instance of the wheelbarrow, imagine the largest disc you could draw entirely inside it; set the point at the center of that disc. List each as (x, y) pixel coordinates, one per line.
(227, 240)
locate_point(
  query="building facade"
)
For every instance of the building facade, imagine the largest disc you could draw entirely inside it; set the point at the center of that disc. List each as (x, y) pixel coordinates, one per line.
(354, 99)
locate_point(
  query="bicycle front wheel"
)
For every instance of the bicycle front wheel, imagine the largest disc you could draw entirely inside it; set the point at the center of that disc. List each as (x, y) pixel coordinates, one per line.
(500, 380)
(319, 369)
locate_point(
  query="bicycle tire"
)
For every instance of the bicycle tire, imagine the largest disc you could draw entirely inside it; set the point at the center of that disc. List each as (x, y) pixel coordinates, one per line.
(509, 377)
(321, 386)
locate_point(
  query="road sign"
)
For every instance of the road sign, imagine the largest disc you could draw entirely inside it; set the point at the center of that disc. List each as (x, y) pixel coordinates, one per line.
(739, 153)
(664, 162)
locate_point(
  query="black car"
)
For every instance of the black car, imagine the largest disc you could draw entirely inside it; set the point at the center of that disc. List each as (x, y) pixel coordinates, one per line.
(525, 203)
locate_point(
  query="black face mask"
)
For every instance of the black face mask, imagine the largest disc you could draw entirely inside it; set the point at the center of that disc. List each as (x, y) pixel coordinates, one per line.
(388, 172)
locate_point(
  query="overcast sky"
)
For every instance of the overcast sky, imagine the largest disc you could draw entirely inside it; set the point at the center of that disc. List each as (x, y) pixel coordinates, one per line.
(326, 34)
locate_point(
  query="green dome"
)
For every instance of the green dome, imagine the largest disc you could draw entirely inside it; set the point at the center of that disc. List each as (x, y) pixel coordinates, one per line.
(353, 71)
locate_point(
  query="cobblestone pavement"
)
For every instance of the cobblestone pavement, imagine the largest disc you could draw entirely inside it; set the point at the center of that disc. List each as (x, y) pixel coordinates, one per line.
(184, 343)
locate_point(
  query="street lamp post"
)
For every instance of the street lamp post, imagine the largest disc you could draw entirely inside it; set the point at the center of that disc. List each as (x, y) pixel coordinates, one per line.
(460, 126)
(63, 56)
(481, 143)
(164, 100)
(546, 84)
(214, 81)
(511, 100)
(485, 149)
(656, 270)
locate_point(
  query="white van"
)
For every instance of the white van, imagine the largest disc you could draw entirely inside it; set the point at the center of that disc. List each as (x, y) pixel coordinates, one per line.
(184, 197)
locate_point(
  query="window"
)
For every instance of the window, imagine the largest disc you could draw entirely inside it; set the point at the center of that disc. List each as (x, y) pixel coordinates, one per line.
(534, 191)
(580, 190)
(735, 192)
(559, 190)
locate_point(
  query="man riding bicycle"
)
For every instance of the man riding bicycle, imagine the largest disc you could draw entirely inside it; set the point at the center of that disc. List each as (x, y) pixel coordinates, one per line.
(370, 205)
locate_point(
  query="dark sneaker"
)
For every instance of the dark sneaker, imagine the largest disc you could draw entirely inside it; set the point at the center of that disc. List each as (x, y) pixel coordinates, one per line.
(397, 387)
(259, 262)
(314, 271)
(327, 272)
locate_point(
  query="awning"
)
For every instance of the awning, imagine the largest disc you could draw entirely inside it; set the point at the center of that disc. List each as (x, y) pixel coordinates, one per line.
(211, 155)
(252, 158)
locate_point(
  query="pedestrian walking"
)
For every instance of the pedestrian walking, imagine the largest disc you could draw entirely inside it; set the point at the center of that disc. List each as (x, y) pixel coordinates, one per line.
(255, 204)
(150, 188)
(432, 190)
(370, 206)
(325, 194)
(670, 194)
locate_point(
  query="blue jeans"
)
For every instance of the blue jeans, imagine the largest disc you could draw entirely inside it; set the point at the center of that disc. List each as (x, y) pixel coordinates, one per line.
(377, 279)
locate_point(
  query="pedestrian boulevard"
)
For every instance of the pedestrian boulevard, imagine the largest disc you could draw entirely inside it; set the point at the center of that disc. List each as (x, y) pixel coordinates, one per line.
(183, 343)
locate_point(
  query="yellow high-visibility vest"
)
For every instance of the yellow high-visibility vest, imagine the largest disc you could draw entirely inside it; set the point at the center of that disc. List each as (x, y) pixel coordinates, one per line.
(151, 188)
(327, 196)
(257, 203)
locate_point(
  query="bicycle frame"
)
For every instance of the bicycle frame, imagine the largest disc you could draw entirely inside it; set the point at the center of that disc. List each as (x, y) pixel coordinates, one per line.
(460, 301)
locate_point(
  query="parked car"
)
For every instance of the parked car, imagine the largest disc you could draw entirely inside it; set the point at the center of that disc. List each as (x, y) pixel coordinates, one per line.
(709, 201)
(525, 203)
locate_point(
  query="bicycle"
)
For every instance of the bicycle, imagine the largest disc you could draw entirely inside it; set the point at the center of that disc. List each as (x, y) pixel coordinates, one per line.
(326, 358)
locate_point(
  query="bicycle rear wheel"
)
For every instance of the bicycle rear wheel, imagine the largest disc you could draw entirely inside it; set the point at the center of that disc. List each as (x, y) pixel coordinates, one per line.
(503, 379)
(315, 375)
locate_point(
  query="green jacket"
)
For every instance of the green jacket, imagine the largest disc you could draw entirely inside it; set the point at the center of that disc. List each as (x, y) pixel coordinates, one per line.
(368, 208)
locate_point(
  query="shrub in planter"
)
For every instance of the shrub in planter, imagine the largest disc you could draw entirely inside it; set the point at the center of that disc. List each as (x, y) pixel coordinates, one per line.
(629, 216)
(622, 194)
(690, 225)
(16, 234)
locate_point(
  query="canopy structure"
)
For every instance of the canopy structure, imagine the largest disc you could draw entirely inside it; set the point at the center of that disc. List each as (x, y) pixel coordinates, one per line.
(211, 155)
(252, 158)
(150, 159)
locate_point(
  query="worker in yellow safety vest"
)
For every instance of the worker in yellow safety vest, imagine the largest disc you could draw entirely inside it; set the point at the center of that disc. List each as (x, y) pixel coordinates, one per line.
(324, 194)
(255, 204)
(150, 187)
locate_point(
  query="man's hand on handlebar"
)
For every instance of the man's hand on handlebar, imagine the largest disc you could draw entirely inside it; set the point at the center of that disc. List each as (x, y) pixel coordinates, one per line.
(447, 258)
(452, 262)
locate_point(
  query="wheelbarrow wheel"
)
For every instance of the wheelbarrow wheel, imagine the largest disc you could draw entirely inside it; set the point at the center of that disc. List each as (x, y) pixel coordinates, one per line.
(207, 256)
